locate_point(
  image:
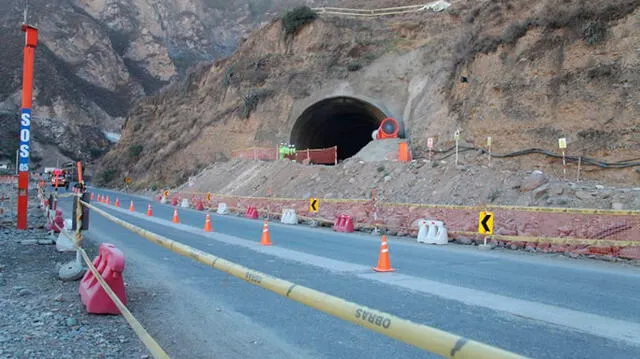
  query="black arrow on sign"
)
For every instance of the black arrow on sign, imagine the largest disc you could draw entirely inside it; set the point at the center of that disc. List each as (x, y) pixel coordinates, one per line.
(484, 222)
(314, 205)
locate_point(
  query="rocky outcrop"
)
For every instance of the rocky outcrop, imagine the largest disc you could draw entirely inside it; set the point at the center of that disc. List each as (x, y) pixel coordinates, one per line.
(97, 57)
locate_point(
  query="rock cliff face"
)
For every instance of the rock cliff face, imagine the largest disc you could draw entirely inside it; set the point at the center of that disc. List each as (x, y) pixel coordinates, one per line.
(96, 57)
(525, 73)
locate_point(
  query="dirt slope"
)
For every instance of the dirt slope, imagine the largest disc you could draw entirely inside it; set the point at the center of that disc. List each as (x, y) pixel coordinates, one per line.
(523, 72)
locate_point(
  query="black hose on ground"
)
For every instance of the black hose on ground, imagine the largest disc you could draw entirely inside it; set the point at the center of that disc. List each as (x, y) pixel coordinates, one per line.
(585, 160)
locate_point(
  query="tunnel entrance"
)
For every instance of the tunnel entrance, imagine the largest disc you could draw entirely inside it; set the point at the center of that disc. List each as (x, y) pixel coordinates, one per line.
(345, 122)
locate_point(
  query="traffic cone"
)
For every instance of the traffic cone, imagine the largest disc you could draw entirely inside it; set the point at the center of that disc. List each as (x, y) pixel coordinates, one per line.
(266, 238)
(384, 264)
(131, 208)
(117, 204)
(149, 211)
(99, 199)
(93, 196)
(207, 223)
(175, 216)
(107, 201)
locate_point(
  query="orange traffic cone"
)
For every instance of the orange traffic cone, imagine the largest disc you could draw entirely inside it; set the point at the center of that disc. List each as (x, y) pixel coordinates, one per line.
(149, 211)
(384, 264)
(266, 238)
(93, 196)
(175, 216)
(99, 199)
(117, 204)
(131, 208)
(207, 223)
(107, 201)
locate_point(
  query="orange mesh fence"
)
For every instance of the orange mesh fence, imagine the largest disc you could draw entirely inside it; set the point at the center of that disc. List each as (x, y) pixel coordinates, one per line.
(324, 156)
(256, 153)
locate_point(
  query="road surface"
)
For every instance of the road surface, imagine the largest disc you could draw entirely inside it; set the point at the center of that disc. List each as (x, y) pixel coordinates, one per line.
(540, 306)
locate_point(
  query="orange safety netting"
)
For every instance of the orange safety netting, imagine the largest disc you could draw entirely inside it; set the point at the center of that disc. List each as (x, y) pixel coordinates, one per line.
(257, 153)
(325, 156)
(318, 156)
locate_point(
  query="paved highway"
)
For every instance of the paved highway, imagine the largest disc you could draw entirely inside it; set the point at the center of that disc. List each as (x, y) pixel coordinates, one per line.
(538, 306)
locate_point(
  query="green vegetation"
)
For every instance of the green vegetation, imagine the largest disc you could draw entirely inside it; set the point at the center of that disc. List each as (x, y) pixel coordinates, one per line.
(228, 76)
(135, 150)
(250, 101)
(95, 153)
(354, 66)
(594, 32)
(296, 18)
(107, 176)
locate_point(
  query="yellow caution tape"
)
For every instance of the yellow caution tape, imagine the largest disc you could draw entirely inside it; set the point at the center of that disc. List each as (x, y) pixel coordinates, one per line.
(148, 341)
(556, 240)
(427, 338)
(609, 212)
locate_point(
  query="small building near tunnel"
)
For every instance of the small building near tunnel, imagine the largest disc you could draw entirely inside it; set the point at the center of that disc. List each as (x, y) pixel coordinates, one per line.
(343, 121)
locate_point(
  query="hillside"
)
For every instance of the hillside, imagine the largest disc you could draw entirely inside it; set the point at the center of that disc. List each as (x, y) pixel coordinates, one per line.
(524, 73)
(95, 58)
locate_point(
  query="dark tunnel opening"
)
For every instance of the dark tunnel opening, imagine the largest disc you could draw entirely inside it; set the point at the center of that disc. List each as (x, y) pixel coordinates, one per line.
(339, 121)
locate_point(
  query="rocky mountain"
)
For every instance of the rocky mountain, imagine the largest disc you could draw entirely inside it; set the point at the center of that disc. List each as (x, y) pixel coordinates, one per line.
(97, 57)
(525, 73)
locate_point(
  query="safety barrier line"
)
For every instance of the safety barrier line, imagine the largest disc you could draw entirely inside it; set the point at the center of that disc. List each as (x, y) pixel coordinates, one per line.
(421, 336)
(148, 341)
(556, 240)
(609, 212)
(553, 240)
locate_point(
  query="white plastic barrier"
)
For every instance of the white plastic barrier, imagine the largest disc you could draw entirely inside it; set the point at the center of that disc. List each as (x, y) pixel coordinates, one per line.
(289, 216)
(222, 208)
(163, 200)
(63, 244)
(432, 232)
(185, 203)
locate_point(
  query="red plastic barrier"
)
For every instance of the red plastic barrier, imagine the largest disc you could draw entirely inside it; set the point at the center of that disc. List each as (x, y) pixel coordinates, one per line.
(344, 223)
(252, 212)
(57, 224)
(174, 201)
(110, 265)
(199, 206)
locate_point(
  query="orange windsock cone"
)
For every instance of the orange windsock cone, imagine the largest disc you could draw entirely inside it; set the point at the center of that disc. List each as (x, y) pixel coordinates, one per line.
(175, 216)
(207, 223)
(266, 238)
(149, 211)
(131, 208)
(384, 264)
(117, 204)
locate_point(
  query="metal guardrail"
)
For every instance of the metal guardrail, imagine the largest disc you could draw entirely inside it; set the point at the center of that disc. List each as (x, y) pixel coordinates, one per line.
(398, 10)
(421, 336)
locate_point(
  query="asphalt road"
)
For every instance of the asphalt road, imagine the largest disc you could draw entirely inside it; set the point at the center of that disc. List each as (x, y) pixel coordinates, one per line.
(537, 305)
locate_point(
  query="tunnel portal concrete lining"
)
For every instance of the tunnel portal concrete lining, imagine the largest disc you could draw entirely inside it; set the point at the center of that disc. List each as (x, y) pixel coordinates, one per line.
(343, 121)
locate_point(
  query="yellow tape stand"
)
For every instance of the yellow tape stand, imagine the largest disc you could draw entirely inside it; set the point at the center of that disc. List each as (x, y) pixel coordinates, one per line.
(427, 338)
(148, 341)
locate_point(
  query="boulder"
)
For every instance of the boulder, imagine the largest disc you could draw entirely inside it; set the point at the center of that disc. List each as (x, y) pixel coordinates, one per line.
(533, 181)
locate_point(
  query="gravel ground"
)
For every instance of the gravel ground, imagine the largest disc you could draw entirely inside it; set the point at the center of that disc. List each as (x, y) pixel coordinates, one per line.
(42, 316)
